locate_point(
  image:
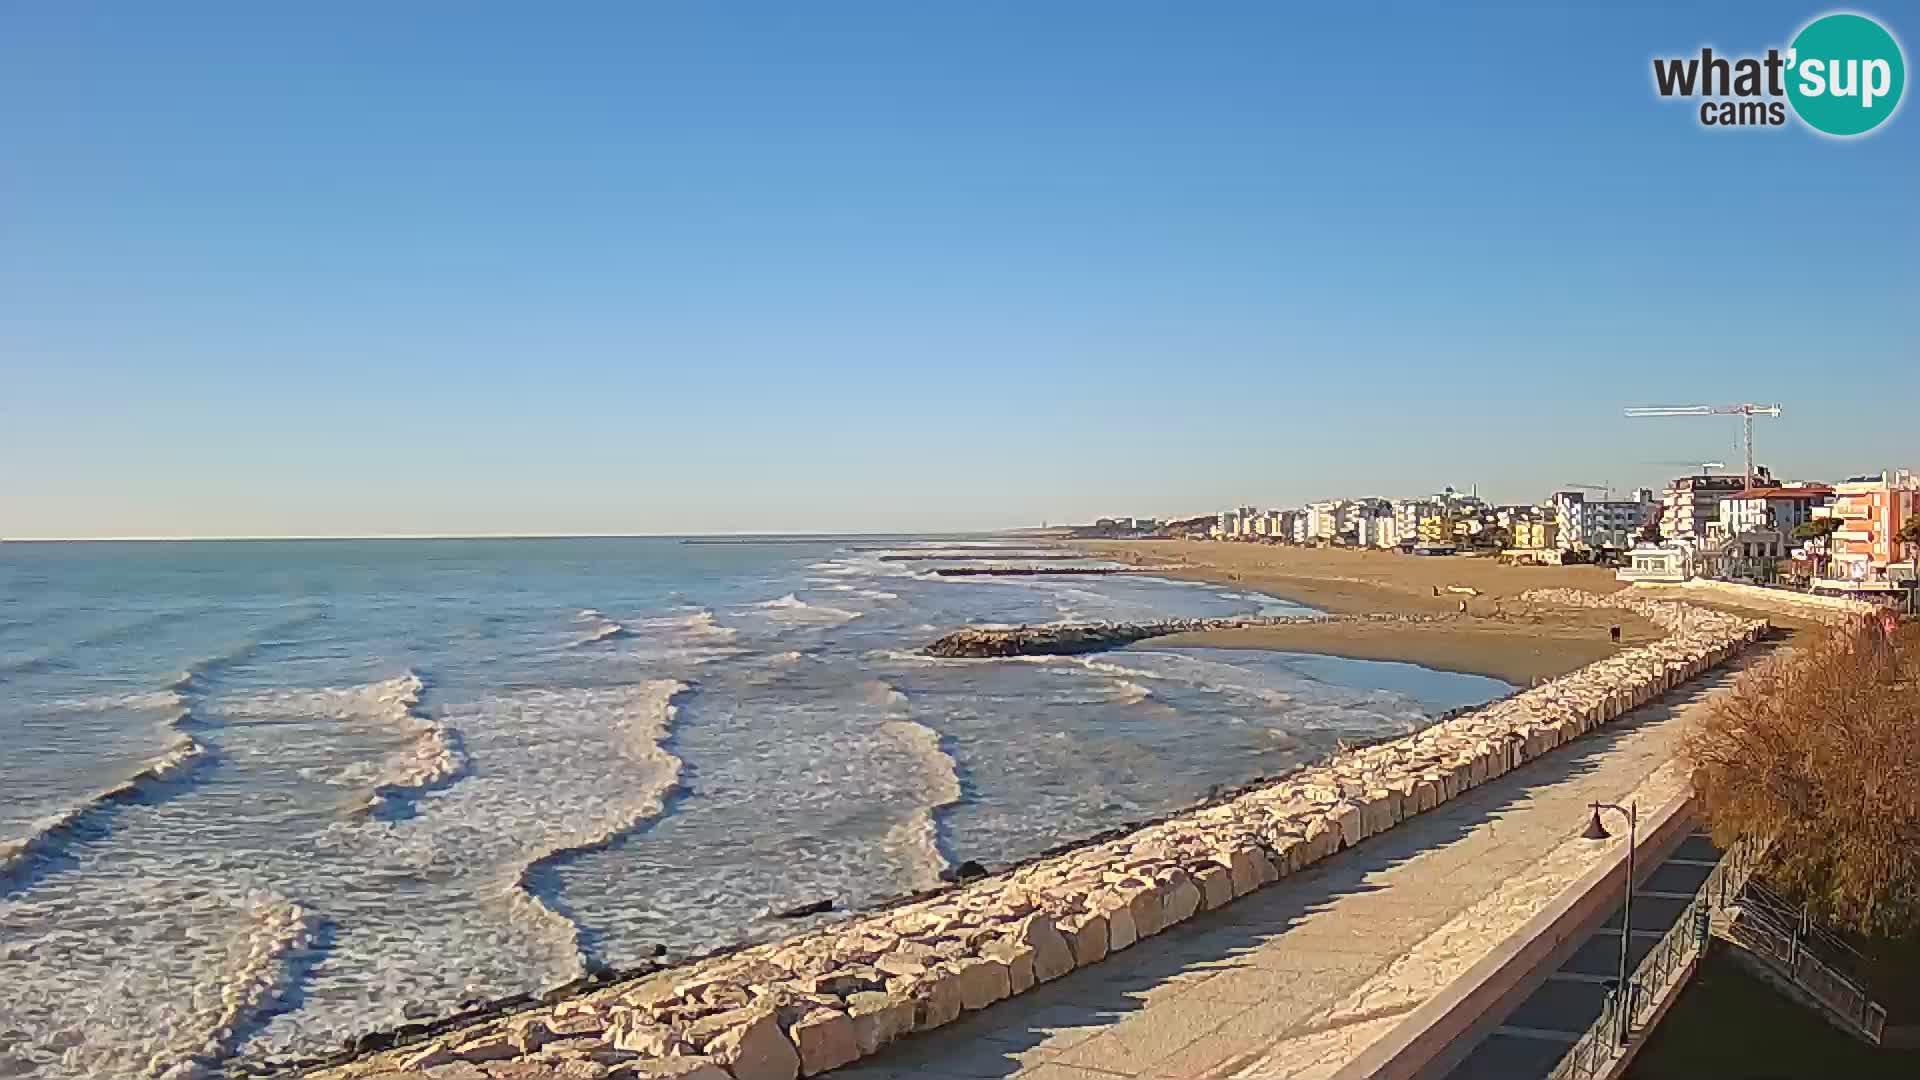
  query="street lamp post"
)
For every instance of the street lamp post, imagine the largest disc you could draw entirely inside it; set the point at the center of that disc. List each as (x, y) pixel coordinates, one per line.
(1598, 831)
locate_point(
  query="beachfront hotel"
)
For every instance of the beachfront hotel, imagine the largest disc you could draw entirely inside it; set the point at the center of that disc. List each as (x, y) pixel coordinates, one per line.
(1867, 555)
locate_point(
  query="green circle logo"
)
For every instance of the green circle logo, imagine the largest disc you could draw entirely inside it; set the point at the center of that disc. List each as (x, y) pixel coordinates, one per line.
(1845, 74)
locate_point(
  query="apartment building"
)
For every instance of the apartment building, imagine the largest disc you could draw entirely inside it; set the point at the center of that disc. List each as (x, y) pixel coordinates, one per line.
(1690, 503)
(1782, 508)
(1538, 534)
(1866, 552)
(1581, 522)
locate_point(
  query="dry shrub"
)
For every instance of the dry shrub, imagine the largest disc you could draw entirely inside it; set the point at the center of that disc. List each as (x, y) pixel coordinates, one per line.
(1820, 749)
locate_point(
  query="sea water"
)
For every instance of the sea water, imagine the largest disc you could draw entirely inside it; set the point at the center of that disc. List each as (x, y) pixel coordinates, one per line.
(260, 797)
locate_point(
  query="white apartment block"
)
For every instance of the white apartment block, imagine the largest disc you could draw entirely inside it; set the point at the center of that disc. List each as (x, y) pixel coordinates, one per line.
(1782, 508)
(1690, 503)
(1328, 519)
(1408, 513)
(1602, 523)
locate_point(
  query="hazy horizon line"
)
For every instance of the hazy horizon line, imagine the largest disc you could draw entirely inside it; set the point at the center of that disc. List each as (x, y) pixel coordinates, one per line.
(801, 533)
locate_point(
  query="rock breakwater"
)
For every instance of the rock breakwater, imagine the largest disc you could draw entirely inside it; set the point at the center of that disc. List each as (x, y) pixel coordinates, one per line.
(1059, 639)
(826, 998)
(1047, 571)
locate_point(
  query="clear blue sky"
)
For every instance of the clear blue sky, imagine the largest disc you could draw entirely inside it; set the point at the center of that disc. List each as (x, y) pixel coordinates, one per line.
(383, 269)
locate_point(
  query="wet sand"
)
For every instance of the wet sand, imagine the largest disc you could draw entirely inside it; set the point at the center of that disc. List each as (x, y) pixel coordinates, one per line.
(1497, 637)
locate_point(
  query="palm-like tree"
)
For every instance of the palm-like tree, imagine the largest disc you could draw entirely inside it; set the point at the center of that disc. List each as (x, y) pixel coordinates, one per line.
(1815, 532)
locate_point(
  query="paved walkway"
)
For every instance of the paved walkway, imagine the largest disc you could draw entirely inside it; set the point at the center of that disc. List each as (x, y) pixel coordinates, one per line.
(1297, 978)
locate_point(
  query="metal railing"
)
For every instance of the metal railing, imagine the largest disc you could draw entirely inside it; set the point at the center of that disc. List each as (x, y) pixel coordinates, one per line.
(1826, 968)
(1627, 1007)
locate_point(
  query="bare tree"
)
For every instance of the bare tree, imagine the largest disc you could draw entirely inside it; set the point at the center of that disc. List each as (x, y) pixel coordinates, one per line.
(1820, 750)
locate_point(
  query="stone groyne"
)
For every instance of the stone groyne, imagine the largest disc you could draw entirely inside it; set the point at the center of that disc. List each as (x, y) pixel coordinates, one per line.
(829, 997)
(1047, 571)
(1054, 639)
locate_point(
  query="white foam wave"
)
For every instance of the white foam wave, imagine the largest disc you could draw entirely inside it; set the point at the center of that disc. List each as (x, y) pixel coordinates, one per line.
(702, 624)
(149, 701)
(435, 757)
(179, 757)
(880, 692)
(919, 834)
(681, 638)
(599, 628)
(792, 609)
(48, 833)
(648, 722)
(257, 974)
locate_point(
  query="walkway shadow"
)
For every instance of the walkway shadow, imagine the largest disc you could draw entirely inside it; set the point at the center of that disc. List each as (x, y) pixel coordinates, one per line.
(1026, 1031)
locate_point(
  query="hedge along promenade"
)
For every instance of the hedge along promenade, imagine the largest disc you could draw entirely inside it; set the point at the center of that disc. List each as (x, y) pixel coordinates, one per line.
(825, 998)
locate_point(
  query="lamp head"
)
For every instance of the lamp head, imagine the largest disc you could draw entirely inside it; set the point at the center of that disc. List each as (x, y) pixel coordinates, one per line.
(1595, 830)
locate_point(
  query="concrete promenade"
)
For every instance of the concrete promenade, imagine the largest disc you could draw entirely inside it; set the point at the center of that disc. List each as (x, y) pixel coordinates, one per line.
(1296, 980)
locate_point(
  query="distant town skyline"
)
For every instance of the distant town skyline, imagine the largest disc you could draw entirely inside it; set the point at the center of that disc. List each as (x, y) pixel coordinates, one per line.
(484, 270)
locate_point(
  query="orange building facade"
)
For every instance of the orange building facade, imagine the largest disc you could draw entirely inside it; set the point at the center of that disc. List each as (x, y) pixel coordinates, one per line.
(1870, 513)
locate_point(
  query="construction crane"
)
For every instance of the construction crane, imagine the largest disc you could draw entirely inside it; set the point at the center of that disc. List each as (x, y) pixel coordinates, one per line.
(1607, 488)
(1706, 467)
(1746, 413)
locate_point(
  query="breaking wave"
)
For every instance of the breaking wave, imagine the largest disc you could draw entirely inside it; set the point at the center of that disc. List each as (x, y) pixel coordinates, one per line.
(179, 758)
(701, 624)
(181, 755)
(599, 628)
(260, 969)
(791, 608)
(435, 758)
(642, 741)
(920, 836)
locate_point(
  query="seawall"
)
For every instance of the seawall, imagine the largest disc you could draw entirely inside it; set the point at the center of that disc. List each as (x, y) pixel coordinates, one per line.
(1803, 605)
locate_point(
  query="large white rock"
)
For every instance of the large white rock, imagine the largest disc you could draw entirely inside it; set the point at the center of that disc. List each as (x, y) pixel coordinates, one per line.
(825, 1039)
(983, 981)
(879, 1018)
(753, 1047)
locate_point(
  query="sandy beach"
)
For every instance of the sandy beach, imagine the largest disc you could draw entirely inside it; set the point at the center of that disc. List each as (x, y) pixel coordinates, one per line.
(1496, 637)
